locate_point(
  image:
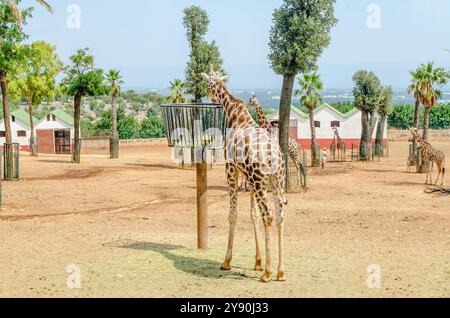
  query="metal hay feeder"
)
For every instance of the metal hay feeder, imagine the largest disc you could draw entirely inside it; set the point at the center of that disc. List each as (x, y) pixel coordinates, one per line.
(197, 127)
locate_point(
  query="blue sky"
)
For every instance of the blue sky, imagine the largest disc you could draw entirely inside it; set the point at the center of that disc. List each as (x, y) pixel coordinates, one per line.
(145, 39)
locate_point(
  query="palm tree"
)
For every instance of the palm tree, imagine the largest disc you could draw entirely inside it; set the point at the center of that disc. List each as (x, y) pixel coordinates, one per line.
(310, 87)
(178, 89)
(413, 88)
(430, 81)
(18, 13)
(114, 79)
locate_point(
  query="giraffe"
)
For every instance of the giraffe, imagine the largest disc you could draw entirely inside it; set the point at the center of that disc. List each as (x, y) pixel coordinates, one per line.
(341, 147)
(255, 153)
(430, 155)
(333, 147)
(294, 147)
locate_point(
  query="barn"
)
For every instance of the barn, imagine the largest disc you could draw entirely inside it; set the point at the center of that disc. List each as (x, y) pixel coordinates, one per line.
(325, 118)
(54, 133)
(20, 129)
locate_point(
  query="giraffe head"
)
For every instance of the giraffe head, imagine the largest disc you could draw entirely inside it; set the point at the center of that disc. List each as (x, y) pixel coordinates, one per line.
(253, 102)
(215, 81)
(415, 134)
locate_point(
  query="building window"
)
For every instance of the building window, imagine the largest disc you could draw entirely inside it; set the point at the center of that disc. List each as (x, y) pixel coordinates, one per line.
(53, 117)
(13, 119)
(335, 123)
(21, 133)
(317, 124)
(2, 134)
(48, 117)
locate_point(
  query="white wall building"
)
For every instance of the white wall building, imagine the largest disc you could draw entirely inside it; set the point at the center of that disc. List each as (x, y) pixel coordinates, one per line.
(325, 117)
(20, 129)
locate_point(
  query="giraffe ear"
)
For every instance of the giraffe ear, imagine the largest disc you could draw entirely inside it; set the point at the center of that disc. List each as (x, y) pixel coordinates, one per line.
(205, 77)
(223, 78)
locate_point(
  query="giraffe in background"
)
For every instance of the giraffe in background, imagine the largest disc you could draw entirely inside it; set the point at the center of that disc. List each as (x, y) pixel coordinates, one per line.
(294, 147)
(341, 147)
(430, 154)
(255, 153)
(333, 147)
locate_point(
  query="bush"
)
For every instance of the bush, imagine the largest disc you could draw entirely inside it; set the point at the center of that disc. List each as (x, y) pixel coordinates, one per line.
(152, 127)
(403, 117)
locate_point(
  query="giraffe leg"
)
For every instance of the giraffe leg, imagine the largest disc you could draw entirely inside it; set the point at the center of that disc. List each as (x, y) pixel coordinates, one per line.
(443, 174)
(279, 204)
(254, 215)
(439, 173)
(233, 180)
(261, 199)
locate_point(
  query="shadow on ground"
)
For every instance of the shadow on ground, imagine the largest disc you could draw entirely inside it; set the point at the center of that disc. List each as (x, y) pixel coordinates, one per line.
(196, 266)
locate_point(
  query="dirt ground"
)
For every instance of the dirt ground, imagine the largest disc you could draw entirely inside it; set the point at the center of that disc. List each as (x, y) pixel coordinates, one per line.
(130, 227)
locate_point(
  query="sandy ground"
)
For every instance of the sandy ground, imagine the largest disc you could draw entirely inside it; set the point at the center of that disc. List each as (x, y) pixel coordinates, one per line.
(129, 226)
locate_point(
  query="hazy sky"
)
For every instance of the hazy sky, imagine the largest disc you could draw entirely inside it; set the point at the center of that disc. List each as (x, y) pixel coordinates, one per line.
(145, 39)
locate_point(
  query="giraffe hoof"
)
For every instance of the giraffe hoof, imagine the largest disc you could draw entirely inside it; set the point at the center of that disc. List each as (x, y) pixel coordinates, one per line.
(225, 267)
(258, 266)
(281, 277)
(265, 278)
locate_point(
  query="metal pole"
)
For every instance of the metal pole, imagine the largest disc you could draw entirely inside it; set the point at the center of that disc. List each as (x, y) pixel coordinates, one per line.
(202, 205)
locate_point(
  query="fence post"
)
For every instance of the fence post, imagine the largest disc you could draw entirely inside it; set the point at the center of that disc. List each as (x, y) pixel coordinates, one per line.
(305, 167)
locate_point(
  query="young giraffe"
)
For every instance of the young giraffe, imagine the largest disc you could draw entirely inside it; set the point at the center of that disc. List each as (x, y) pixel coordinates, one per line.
(341, 147)
(430, 154)
(255, 153)
(294, 147)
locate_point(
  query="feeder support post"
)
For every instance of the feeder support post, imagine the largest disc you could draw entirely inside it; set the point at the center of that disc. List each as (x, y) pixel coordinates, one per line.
(202, 205)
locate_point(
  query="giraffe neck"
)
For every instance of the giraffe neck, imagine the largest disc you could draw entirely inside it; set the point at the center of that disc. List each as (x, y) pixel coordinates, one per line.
(263, 121)
(235, 110)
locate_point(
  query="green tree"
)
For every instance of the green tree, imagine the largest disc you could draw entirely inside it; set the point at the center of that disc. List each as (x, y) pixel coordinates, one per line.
(14, 7)
(203, 55)
(385, 108)
(177, 91)
(114, 80)
(152, 127)
(300, 33)
(310, 88)
(430, 81)
(82, 79)
(367, 94)
(11, 53)
(34, 78)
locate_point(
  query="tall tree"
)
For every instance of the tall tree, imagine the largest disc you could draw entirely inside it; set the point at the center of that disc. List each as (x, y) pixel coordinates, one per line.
(300, 33)
(203, 54)
(11, 53)
(367, 94)
(114, 80)
(34, 79)
(82, 79)
(177, 91)
(14, 6)
(310, 88)
(430, 81)
(413, 88)
(385, 108)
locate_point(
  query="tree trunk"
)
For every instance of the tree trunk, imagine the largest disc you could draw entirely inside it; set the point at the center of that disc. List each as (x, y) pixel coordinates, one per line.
(315, 160)
(76, 155)
(33, 149)
(284, 119)
(380, 136)
(426, 123)
(416, 125)
(6, 111)
(364, 134)
(9, 157)
(114, 145)
(285, 112)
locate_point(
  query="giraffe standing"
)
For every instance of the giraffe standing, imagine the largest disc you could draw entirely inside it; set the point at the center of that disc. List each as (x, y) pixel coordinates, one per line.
(333, 147)
(294, 147)
(430, 155)
(341, 147)
(255, 153)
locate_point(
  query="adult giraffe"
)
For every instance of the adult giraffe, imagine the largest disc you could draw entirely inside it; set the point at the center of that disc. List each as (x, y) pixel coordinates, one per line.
(255, 153)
